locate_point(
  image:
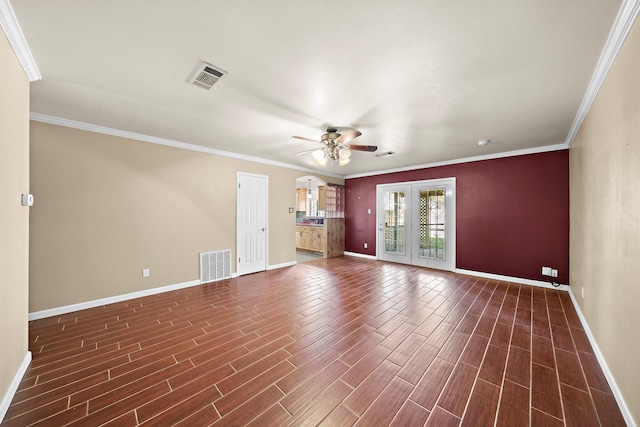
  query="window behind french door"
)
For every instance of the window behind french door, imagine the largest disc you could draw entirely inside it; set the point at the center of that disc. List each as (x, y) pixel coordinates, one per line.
(416, 223)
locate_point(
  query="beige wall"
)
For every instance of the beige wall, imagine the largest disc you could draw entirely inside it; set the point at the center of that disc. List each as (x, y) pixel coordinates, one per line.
(14, 218)
(107, 207)
(605, 220)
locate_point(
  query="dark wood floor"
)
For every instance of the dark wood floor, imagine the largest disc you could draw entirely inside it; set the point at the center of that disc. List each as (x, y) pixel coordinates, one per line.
(332, 342)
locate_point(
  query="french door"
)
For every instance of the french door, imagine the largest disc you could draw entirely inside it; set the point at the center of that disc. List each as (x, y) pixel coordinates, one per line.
(416, 223)
(252, 200)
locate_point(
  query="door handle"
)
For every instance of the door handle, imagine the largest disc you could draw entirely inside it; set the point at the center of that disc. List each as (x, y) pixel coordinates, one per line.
(262, 228)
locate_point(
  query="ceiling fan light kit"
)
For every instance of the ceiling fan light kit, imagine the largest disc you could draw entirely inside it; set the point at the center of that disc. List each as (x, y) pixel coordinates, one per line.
(319, 157)
(336, 148)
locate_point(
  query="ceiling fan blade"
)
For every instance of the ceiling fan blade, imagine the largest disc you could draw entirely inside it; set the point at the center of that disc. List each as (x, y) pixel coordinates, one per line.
(300, 153)
(306, 139)
(348, 135)
(369, 148)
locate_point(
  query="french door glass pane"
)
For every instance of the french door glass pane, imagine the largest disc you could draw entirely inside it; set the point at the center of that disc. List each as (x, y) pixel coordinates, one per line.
(394, 237)
(432, 223)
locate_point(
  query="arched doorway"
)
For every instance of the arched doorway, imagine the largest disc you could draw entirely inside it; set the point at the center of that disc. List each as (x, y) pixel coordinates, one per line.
(309, 217)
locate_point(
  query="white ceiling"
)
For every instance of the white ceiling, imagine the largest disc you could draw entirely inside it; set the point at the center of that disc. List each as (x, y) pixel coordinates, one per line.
(424, 78)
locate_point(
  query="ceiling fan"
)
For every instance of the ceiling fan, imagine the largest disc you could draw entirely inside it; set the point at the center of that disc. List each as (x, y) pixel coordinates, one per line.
(335, 146)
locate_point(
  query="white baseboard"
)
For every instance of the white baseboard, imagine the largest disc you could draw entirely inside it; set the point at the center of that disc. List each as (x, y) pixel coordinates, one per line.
(118, 298)
(356, 254)
(500, 277)
(109, 300)
(8, 396)
(603, 364)
(282, 265)
(512, 279)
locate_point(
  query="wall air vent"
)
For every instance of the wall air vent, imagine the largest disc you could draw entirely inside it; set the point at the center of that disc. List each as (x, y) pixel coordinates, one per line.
(386, 153)
(215, 266)
(206, 76)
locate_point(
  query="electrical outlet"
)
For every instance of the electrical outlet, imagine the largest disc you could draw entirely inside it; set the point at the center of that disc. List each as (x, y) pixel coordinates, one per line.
(548, 271)
(145, 272)
(369, 211)
(365, 246)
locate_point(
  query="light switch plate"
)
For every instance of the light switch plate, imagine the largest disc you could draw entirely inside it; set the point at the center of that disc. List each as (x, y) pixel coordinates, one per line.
(27, 200)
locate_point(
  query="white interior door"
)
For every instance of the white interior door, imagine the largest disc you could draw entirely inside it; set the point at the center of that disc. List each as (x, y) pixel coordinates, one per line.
(252, 208)
(416, 223)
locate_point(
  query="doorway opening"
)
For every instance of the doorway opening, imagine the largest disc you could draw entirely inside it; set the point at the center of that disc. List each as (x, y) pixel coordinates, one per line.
(309, 218)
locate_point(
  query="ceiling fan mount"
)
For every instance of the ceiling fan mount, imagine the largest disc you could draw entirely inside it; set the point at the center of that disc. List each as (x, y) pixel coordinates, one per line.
(335, 146)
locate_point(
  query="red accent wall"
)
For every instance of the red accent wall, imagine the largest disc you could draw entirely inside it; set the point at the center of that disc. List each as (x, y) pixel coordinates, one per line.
(512, 213)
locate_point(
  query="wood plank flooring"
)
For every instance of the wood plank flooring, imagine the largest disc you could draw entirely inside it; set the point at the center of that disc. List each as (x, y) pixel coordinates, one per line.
(332, 342)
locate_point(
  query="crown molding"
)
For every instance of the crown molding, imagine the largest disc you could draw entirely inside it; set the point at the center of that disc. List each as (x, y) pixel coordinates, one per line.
(37, 117)
(624, 21)
(9, 24)
(514, 153)
(167, 142)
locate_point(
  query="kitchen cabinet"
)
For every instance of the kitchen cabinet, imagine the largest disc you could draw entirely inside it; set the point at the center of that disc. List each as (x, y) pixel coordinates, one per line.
(310, 238)
(328, 240)
(334, 237)
(317, 240)
(331, 200)
(301, 199)
(322, 197)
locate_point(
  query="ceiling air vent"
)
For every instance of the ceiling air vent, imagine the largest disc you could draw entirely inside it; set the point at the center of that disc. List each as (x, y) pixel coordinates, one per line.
(386, 153)
(206, 76)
